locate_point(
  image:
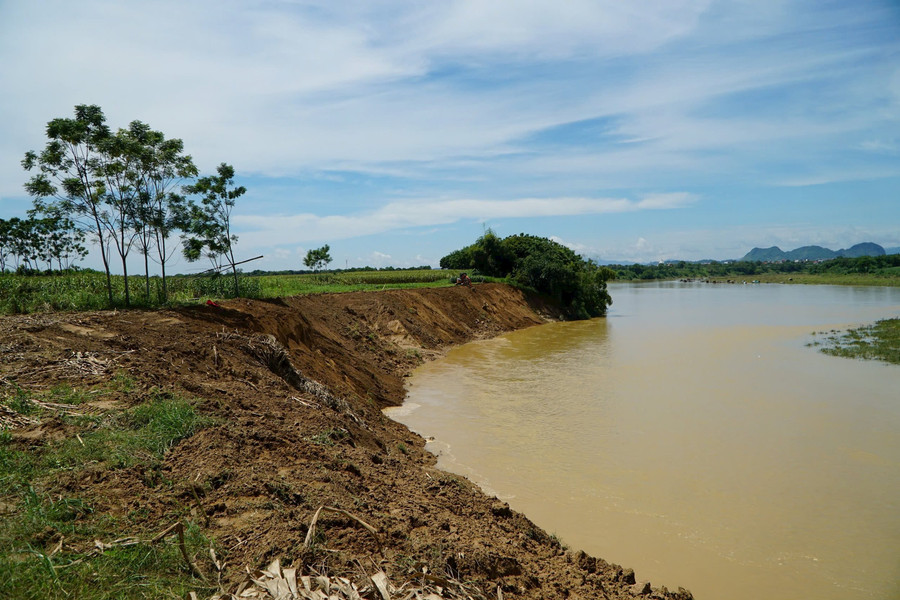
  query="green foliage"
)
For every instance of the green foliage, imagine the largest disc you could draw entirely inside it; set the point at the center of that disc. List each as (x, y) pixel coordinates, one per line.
(69, 173)
(577, 285)
(328, 437)
(318, 258)
(880, 341)
(207, 225)
(31, 571)
(86, 290)
(879, 267)
(121, 188)
(458, 260)
(142, 434)
(28, 245)
(39, 509)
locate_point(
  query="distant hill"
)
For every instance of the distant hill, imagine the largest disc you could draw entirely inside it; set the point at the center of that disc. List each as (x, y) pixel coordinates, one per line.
(811, 253)
(864, 249)
(893, 250)
(765, 255)
(775, 253)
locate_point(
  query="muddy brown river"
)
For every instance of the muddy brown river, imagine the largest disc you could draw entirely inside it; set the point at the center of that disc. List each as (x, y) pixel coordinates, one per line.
(692, 435)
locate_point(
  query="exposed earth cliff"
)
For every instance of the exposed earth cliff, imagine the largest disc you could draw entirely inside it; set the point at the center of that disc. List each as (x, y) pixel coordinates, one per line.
(295, 389)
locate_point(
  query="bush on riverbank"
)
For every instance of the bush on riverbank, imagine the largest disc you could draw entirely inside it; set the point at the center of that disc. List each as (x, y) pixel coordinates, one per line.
(576, 284)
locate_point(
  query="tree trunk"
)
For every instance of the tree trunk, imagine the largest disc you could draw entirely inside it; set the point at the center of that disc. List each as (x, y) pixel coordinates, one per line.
(147, 271)
(237, 293)
(125, 271)
(165, 291)
(105, 260)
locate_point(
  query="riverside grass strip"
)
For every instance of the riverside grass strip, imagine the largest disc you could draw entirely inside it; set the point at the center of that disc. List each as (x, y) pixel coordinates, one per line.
(50, 534)
(86, 290)
(880, 341)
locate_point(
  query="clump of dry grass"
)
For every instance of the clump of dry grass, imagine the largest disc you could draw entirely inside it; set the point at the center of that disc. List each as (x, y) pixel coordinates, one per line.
(282, 583)
(270, 352)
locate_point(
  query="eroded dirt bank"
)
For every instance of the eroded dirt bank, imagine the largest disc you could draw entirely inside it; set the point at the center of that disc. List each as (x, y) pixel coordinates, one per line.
(296, 387)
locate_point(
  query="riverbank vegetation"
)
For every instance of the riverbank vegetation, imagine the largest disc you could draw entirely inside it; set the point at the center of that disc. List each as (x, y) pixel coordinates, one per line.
(128, 191)
(863, 270)
(87, 290)
(56, 540)
(540, 264)
(880, 341)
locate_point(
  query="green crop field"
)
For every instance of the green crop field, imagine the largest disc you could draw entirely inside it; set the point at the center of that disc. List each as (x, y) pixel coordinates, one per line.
(86, 290)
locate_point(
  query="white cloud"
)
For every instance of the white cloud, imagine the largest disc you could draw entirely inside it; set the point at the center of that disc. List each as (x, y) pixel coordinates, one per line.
(280, 88)
(260, 230)
(375, 259)
(666, 201)
(880, 146)
(818, 176)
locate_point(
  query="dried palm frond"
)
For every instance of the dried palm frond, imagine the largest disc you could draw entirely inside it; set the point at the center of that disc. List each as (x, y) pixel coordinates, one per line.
(279, 583)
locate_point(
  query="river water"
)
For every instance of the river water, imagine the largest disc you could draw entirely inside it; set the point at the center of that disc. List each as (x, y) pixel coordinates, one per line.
(692, 435)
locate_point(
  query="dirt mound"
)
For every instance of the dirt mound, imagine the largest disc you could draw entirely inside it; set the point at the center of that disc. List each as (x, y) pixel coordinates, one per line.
(296, 387)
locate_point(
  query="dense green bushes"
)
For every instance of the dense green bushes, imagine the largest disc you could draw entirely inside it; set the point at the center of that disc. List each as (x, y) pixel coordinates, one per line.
(578, 285)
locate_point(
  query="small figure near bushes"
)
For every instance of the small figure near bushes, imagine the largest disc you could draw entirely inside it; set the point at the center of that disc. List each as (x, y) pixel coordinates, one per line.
(464, 280)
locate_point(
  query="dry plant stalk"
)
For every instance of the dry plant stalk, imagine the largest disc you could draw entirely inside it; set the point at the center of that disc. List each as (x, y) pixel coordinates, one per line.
(179, 529)
(312, 525)
(274, 355)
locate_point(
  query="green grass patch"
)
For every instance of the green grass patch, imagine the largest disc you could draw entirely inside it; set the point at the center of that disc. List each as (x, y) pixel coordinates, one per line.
(880, 341)
(39, 511)
(86, 290)
(328, 437)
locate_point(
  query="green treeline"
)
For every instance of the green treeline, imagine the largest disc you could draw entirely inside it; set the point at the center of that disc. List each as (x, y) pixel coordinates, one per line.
(885, 266)
(578, 285)
(29, 245)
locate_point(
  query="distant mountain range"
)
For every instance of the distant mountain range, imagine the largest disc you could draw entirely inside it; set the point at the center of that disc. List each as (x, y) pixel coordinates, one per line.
(775, 253)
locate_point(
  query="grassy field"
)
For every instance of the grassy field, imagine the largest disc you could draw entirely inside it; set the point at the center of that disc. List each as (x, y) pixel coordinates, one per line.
(49, 529)
(880, 341)
(87, 290)
(291, 285)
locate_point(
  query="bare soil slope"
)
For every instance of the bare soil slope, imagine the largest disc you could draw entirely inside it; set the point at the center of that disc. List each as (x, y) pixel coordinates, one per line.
(297, 386)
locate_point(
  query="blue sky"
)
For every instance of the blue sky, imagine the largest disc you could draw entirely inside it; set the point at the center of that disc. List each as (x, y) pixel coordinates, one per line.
(396, 131)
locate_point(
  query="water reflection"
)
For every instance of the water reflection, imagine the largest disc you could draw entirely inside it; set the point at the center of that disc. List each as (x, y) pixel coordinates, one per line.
(691, 435)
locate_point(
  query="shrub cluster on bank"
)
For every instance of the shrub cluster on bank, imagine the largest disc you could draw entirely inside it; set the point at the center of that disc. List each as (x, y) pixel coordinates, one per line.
(576, 284)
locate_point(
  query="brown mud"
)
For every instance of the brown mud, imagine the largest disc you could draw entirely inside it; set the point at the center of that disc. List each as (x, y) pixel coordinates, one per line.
(296, 386)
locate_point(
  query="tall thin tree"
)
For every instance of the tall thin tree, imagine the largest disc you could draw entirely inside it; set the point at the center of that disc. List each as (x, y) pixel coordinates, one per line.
(68, 173)
(208, 225)
(163, 168)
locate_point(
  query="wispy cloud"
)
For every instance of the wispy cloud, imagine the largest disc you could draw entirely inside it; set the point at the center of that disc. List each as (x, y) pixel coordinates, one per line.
(262, 230)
